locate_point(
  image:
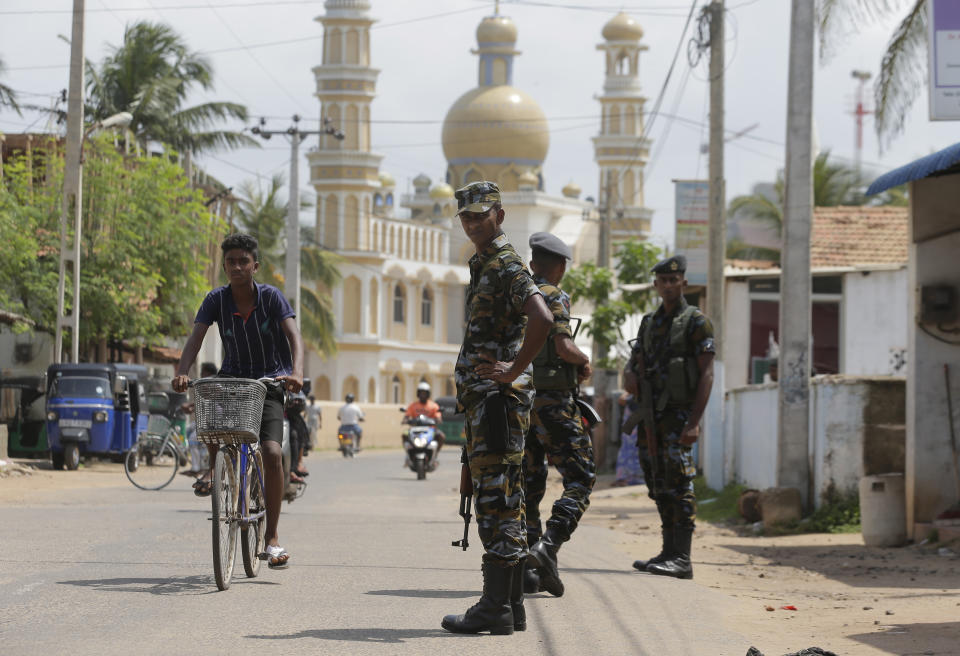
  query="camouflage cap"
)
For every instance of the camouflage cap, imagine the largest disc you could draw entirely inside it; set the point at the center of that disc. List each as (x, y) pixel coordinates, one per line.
(477, 197)
(675, 264)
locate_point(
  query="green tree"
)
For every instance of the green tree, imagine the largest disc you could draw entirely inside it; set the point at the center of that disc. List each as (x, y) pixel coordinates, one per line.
(8, 96)
(597, 286)
(262, 214)
(150, 75)
(141, 274)
(903, 68)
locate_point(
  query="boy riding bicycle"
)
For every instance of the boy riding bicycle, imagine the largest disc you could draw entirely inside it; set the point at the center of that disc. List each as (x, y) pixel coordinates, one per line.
(260, 340)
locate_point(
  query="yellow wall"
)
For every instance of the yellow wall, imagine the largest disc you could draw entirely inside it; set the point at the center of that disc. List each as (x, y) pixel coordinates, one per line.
(381, 429)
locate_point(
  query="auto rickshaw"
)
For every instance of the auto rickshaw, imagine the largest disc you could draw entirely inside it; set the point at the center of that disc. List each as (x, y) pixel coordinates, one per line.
(24, 414)
(94, 409)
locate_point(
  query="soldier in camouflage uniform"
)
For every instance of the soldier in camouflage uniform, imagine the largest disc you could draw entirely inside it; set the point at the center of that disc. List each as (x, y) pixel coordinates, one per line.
(673, 359)
(507, 324)
(557, 430)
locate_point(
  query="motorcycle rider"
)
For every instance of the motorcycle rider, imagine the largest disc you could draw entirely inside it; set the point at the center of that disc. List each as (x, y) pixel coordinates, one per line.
(350, 415)
(424, 406)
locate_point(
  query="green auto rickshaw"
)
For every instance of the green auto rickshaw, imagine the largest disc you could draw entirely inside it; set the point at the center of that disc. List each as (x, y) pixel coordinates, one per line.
(22, 409)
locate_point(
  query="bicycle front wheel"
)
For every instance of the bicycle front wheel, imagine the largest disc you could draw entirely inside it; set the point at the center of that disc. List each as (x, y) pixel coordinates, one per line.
(224, 500)
(251, 535)
(151, 463)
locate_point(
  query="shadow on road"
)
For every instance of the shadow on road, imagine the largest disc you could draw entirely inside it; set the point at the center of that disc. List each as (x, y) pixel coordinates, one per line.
(397, 636)
(932, 638)
(190, 585)
(428, 594)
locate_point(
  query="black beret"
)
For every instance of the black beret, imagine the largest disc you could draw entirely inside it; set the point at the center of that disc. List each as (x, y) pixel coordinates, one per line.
(675, 264)
(544, 241)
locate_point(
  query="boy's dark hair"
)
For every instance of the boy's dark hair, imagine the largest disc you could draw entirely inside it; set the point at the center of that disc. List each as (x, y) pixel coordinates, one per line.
(546, 259)
(208, 369)
(244, 243)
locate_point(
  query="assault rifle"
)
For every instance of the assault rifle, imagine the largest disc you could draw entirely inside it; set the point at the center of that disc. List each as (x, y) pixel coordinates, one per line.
(466, 496)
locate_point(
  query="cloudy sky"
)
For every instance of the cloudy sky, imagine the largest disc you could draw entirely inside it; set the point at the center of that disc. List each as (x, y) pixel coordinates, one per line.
(263, 51)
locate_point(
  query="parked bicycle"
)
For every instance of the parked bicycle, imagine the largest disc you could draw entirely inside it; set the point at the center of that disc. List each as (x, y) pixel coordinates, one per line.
(152, 462)
(228, 413)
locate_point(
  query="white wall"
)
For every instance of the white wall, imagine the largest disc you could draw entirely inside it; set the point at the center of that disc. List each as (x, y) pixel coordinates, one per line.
(930, 476)
(874, 323)
(837, 433)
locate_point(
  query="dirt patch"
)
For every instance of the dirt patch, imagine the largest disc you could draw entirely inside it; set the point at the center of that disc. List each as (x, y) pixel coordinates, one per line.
(849, 598)
(42, 480)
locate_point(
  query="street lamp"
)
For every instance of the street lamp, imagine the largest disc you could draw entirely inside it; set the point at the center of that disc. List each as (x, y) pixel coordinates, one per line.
(72, 187)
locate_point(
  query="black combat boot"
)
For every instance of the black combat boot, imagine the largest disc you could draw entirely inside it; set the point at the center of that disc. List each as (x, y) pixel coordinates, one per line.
(666, 551)
(543, 554)
(678, 566)
(531, 580)
(516, 596)
(492, 613)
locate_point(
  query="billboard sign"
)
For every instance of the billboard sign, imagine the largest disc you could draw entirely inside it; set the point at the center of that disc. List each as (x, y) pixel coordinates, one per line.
(944, 44)
(692, 210)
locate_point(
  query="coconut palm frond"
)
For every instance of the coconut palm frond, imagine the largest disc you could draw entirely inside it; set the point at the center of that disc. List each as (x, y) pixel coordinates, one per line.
(317, 322)
(838, 18)
(759, 207)
(903, 73)
(320, 266)
(8, 96)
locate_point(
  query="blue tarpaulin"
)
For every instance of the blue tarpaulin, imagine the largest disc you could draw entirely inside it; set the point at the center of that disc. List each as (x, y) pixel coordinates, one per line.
(916, 170)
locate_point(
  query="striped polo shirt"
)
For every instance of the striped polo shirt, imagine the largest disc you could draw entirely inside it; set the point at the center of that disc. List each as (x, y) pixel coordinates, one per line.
(254, 346)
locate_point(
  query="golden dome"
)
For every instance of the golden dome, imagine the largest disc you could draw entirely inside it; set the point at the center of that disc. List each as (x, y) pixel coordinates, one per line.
(527, 179)
(496, 29)
(572, 190)
(495, 125)
(386, 180)
(622, 28)
(441, 191)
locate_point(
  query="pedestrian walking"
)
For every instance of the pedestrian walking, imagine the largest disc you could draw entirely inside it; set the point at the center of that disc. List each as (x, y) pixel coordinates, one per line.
(557, 434)
(507, 324)
(671, 372)
(314, 420)
(628, 470)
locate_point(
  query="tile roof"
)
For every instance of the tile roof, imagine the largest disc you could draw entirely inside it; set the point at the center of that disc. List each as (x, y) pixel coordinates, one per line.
(859, 236)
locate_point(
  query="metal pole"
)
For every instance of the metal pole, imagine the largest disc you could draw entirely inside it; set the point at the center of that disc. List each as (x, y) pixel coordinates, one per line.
(291, 286)
(713, 445)
(793, 466)
(72, 196)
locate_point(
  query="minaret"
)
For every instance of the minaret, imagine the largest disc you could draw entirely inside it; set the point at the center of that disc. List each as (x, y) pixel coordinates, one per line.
(620, 150)
(345, 173)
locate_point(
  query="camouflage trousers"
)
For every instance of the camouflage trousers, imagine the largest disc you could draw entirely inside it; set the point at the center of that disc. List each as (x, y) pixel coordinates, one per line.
(557, 436)
(670, 475)
(495, 468)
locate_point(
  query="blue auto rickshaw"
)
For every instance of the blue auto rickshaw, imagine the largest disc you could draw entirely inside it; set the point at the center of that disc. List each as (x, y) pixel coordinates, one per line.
(94, 409)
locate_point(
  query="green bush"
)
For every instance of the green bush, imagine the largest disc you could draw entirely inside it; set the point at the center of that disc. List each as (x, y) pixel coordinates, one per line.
(714, 506)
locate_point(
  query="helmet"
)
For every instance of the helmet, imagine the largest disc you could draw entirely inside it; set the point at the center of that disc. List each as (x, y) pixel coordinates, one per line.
(423, 387)
(349, 398)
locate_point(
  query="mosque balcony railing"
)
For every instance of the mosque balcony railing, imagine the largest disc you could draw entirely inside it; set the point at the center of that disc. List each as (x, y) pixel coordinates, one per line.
(406, 240)
(621, 84)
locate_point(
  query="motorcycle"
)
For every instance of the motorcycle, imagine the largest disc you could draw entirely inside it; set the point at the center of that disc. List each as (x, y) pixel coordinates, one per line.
(420, 443)
(347, 438)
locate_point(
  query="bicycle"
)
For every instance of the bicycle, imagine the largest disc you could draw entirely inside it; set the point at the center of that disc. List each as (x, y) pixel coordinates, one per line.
(228, 412)
(152, 462)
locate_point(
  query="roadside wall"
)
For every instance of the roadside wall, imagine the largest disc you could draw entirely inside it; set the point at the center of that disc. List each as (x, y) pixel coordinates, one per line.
(874, 334)
(856, 428)
(381, 429)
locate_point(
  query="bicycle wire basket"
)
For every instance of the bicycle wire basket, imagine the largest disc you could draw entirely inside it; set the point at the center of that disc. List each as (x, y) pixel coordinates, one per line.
(229, 410)
(157, 425)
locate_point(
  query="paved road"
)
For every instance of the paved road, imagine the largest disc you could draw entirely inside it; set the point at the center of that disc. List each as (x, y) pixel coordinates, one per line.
(119, 570)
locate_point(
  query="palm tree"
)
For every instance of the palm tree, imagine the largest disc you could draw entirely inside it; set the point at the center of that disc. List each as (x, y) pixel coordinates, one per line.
(150, 75)
(262, 214)
(8, 96)
(833, 184)
(903, 68)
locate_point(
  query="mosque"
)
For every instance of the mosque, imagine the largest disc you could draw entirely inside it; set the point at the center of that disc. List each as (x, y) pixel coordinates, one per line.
(400, 309)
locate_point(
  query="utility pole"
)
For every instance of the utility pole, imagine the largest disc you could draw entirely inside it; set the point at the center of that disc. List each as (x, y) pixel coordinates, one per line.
(291, 269)
(859, 112)
(713, 444)
(793, 466)
(72, 188)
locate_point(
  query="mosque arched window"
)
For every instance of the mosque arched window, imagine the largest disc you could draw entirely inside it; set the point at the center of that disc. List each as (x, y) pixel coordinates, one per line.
(399, 303)
(426, 307)
(436, 209)
(377, 200)
(389, 200)
(623, 64)
(395, 386)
